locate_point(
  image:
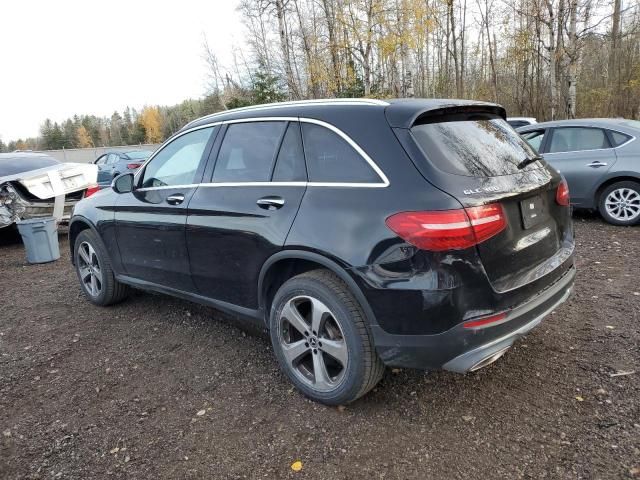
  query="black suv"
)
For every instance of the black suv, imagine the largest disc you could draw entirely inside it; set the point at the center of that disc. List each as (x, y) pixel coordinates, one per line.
(361, 233)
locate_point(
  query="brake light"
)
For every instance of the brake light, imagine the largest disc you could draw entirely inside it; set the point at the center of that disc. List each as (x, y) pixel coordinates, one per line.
(133, 166)
(485, 321)
(91, 189)
(562, 194)
(449, 229)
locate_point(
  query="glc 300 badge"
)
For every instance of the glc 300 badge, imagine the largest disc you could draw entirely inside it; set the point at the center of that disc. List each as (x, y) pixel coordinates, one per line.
(475, 191)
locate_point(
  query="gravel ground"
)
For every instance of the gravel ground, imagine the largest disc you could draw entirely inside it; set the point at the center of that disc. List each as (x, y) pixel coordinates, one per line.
(161, 388)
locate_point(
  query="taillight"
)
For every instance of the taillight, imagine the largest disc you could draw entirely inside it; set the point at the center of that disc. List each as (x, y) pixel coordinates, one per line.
(91, 189)
(133, 166)
(449, 229)
(562, 194)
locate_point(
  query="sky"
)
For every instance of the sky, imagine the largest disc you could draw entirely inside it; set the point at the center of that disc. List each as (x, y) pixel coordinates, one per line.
(66, 57)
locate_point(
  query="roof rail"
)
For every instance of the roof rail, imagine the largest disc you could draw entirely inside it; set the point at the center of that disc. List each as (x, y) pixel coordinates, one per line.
(298, 103)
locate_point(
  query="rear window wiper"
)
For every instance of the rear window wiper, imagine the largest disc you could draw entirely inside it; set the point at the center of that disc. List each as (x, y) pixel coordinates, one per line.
(528, 161)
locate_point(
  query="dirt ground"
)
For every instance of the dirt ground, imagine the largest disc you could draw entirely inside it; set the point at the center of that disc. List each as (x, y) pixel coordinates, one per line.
(161, 388)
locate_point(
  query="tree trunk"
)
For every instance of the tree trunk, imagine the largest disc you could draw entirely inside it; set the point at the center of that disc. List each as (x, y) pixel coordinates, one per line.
(284, 45)
(574, 52)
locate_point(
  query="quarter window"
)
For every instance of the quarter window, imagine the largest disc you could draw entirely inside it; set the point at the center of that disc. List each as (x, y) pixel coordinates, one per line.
(290, 163)
(573, 139)
(177, 163)
(330, 158)
(618, 138)
(247, 152)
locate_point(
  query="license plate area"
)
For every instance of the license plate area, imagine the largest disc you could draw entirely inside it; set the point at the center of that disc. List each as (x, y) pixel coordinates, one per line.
(533, 211)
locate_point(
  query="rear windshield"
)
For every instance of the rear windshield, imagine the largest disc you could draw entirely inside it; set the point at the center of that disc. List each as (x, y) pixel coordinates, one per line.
(473, 145)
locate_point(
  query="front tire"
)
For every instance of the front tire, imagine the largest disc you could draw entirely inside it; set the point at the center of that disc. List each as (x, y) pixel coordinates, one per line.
(619, 203)
(94, 271)
(321, 340)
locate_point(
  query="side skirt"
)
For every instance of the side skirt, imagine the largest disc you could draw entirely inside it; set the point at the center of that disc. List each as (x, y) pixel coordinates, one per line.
(247, 313)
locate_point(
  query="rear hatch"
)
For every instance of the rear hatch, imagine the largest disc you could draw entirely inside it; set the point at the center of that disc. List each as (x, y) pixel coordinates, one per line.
(475, 156)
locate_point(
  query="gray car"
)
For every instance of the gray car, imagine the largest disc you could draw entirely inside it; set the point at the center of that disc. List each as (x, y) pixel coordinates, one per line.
(600, 159)
(112, 164)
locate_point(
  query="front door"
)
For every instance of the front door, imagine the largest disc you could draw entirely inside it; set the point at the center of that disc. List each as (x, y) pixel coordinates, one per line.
(150, 221)
(242, 217)
(104, 173)
(583, 155)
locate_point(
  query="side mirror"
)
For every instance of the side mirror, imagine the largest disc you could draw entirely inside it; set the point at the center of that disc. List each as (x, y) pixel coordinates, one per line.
(123, 183)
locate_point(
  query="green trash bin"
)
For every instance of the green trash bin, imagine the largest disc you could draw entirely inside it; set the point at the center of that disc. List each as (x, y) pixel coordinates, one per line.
(40, 238)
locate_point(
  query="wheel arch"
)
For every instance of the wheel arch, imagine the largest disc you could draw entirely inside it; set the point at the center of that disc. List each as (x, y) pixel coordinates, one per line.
(284, 265)
(77, 225)
(614, 178)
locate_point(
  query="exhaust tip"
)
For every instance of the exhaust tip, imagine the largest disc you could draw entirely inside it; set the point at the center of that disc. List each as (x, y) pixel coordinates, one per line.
(489, 360)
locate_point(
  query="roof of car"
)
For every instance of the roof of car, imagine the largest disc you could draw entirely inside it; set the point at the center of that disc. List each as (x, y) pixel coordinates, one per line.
(400, 113)
(586, 122)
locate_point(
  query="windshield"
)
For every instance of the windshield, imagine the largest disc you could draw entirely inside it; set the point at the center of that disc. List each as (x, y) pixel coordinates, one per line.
(138, 154)
(473, 145)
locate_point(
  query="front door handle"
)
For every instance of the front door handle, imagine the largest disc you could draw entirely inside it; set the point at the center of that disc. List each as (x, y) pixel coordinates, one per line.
(175, 199)
(596, 164)
(270, 203)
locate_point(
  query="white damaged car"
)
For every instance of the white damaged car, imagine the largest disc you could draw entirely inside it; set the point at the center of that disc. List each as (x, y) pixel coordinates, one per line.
(34, 185)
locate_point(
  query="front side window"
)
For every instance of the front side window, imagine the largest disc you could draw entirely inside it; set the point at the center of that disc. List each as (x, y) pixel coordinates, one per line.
(101, 160)
(112, 158)
(330, 158)
(534, 138)
(473, 145)
(575, 139)
(177, 163)
(248, 151)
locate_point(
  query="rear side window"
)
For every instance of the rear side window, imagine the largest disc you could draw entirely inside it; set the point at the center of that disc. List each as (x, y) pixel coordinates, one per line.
(574, 139)
(330, 158)
(248, 151)
(290, 163)
(473, 145)
(619, 138)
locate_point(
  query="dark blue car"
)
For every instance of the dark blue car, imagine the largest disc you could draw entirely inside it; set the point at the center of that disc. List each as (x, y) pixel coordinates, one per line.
(112, 164)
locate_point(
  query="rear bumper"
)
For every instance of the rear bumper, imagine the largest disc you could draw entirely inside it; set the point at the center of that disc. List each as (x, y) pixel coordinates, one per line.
(460, 349)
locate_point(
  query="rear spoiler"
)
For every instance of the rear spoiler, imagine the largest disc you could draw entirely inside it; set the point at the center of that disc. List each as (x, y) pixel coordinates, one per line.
(408, 114)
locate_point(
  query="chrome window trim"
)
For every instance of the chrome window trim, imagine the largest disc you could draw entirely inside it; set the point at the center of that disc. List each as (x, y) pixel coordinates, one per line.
(592, 149)
(384, 180)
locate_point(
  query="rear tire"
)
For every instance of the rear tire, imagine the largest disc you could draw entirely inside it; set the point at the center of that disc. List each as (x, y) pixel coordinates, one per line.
(321, 340)
(619, 203)
(94, 271)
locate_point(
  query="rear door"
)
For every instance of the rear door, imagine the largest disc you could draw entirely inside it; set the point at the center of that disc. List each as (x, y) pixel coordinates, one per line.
(150, 221)
(583, 155)
(243, 215)
(479, 159)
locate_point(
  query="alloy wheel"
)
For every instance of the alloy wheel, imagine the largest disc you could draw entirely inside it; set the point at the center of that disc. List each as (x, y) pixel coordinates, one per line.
(89, 268)
(313, 343)
(623, 204)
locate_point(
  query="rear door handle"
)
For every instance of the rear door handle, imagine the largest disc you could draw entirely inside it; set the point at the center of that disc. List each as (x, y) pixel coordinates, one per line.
(270, 203)
(175, 199)
(596, 164)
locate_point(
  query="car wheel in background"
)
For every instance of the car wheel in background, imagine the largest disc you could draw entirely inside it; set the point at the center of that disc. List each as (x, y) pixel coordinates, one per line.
(94, 271)
(620, 203)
